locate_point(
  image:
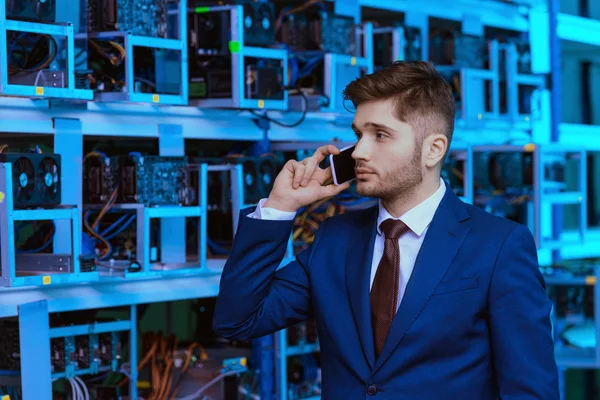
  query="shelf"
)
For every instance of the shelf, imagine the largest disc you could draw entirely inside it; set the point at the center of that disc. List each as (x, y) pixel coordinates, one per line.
(111, 293)
(492, 13)
(563, 198)
(303, 349)
(576, 358)
(579, 29)
(579, 134)
(570, 280)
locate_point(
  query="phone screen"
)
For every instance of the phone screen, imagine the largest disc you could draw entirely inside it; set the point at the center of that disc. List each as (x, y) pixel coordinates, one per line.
(342, 166)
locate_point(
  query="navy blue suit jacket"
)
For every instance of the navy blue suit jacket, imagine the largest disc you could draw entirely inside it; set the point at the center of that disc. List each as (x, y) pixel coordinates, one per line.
(473, 324)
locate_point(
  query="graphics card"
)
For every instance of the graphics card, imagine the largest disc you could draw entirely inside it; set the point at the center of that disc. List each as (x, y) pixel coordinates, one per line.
(31, 10)
(35, 179)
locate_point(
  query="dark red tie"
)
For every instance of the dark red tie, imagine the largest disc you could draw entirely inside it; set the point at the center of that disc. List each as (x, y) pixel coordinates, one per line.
(384, 293)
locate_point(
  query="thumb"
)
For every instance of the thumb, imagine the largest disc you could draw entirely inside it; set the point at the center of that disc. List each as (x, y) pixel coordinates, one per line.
(333, 190)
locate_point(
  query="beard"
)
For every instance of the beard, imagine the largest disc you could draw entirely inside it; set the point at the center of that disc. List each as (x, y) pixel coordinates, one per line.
(396, 184)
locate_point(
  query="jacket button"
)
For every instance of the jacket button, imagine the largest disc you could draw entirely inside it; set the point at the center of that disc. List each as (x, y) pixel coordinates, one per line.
(372, 390)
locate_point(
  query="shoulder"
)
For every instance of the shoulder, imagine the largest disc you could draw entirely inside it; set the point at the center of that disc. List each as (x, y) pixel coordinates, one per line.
(352, 218)
(489, 226)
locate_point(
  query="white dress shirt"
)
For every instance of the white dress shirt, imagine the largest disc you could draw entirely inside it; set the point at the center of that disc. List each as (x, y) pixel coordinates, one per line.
(416, 219)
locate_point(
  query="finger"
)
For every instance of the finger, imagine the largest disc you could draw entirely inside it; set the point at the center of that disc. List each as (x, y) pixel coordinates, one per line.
(323, 175)
(299, 170)
(323, 151)
(333, 190)
(311, 165)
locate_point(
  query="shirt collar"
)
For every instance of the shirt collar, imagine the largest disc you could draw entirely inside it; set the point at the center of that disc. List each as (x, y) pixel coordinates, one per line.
(418, 218)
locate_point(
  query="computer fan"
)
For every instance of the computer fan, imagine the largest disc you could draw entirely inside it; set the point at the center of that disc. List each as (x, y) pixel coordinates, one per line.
(35, 179)
(47, 180)
(263, 32)
(268, 169)
(250, 179)
(31, 10)
(23, 180)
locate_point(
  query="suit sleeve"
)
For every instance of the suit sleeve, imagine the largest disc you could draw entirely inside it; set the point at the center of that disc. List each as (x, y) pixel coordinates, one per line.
(256, 297)
(521, 333)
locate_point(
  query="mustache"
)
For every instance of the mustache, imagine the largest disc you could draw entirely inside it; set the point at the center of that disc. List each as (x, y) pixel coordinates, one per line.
(361, 168)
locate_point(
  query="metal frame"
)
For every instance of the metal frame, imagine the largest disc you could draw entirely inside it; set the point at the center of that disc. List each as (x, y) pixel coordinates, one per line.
(236, 174)
(398, 42)
(543, 195)
(363, 61)
(35, 334)
(473, 89)
(466, 154)
(8, 215)
(92, 330)
(282, 352)
(144, 214)
(547, 195)
(569, 357)
(131, 41)
(64, 30)
(514, 80)
(239, 51)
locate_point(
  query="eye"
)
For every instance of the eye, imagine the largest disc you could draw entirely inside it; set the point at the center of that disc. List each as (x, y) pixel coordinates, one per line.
(380, 135)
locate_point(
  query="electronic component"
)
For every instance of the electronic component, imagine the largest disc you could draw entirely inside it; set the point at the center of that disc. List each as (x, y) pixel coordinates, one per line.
(44, 264)
(322, 31)
(138, 17)
(35, 179)
(154, 180)
(224, 70)
(41, 78)
(395, 43)
(258, 22)
(29, 58)
(10, 352)
(304, 377)
(452, 48)
(31, 10)
(499, 171)
(519, 87)
(100, 178)
(259, 174)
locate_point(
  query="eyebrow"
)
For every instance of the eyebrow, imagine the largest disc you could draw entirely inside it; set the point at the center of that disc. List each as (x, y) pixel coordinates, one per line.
(373, 125)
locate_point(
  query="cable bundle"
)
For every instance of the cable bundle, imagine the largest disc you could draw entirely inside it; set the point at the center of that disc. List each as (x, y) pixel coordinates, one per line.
(161, 355)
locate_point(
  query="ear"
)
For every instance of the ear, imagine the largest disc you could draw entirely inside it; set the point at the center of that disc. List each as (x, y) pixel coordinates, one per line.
(434, 149)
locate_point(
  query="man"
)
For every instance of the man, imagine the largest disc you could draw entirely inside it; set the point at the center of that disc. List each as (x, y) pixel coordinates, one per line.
(423, 296)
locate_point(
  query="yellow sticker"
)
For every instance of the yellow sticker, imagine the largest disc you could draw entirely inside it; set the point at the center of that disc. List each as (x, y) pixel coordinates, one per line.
(39, 90)
(46, 280)
(5, 397)
(155, 98)
(353, 61)
(261, 104)
(529, 147)
(590, 280)
(2, 196)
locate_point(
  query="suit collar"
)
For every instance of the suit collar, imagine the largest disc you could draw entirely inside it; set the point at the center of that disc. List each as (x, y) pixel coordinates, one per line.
(418, 218)
(442, 241)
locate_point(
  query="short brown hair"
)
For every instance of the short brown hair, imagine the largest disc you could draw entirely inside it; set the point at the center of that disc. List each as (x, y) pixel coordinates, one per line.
(423, 98)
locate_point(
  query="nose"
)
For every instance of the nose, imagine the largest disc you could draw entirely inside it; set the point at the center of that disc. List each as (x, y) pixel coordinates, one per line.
(362, 150)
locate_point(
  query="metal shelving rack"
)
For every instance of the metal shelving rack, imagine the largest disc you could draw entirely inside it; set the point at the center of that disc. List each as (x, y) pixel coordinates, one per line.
(172, 124)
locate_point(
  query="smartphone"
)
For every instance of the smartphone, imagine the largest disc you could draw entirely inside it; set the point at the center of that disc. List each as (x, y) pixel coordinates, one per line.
(342, 166)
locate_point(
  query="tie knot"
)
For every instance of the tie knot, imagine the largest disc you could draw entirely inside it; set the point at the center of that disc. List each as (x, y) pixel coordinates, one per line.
(393, 228)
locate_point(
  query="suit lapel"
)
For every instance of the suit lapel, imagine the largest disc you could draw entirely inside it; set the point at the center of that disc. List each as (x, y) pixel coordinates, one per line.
(444, 237)
(358, 276)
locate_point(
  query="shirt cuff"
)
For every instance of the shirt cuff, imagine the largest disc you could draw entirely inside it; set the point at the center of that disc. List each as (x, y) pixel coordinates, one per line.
(268, 213)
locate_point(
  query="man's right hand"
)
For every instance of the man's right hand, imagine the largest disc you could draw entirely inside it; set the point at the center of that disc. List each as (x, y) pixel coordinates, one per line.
(302, 183)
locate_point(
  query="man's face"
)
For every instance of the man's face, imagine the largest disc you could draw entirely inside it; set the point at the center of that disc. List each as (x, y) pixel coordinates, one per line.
(387, 154)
